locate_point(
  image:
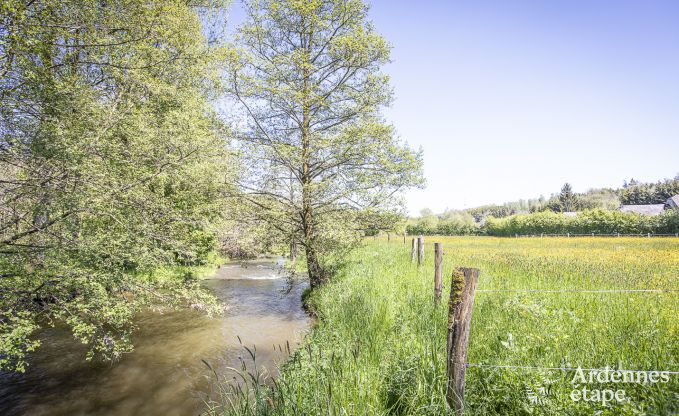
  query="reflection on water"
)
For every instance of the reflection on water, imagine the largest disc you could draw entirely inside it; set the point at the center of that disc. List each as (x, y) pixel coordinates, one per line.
(165, 374)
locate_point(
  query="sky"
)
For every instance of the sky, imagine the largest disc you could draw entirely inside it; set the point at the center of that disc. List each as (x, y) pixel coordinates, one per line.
(511, 99)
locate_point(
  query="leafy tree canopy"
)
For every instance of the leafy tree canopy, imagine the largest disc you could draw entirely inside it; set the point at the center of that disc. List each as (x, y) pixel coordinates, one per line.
(111, 166)
(322, 165)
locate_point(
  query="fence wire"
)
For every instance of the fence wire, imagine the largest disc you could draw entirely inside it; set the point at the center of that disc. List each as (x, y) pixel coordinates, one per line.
(538, 368)
(524, 367)
(580, 291)
(595, 235)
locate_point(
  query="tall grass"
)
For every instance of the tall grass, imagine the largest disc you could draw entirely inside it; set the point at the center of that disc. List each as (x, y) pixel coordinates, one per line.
(379, 346)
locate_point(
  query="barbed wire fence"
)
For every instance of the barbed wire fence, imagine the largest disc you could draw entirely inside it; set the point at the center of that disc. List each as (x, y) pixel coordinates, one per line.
(463, 290)
(618, 235)
(542, 235)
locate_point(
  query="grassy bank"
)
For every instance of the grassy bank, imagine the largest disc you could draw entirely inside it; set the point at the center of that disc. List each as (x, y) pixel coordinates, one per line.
(379, 346)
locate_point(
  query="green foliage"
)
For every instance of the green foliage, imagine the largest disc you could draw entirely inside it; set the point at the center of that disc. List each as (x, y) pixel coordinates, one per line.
(507, 209)
(448, 223)
(607, 199)
(321, 165)
(111, 166)
(634, 193)
(649, 193)
(586, 222)
(568, 201)
(15, 339)
(247, 240)
(379, 347)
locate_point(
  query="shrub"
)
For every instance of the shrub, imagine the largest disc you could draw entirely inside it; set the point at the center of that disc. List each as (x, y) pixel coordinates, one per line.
(595, 221)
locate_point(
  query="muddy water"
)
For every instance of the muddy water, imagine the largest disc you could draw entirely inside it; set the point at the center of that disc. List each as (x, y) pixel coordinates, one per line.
(165, 374)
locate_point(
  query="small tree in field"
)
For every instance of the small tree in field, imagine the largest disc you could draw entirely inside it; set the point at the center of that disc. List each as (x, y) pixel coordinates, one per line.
(319, 159)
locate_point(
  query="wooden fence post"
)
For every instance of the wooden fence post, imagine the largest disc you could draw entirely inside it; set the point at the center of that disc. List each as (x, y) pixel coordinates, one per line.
(438, 272)
(420, 250)
(460, 306)
(388, 237)
(404, 239)
(413, 253)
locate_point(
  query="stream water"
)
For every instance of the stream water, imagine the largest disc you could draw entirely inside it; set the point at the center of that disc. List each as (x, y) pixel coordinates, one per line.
(165, 375)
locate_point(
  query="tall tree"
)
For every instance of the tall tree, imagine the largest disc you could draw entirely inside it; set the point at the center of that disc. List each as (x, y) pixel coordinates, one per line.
(111, 165)
(567, 199)
(306, 74)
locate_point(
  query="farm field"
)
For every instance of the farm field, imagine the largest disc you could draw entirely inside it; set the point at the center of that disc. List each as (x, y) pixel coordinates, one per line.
(379, 346)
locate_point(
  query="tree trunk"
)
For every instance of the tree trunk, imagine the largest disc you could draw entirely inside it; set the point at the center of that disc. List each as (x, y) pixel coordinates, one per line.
(317, 275)
(293, 236)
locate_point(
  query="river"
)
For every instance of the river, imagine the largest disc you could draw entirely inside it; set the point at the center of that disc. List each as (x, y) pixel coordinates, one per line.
(165, 374)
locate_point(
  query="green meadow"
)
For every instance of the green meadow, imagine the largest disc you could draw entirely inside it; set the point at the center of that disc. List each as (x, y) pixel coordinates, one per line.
(544, 305)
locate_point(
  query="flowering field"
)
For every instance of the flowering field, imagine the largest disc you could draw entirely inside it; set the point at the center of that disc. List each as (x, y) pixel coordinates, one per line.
(543, 307)
(573, 312)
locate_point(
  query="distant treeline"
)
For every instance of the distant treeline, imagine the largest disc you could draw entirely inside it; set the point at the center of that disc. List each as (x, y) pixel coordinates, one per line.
(634, 193)
(448, 223)
(596, 221)
(631, 193)
(597, 213)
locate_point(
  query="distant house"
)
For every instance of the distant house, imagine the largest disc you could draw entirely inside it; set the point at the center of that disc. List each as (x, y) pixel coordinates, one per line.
(570, 214)
(652, 209)
(672, 203)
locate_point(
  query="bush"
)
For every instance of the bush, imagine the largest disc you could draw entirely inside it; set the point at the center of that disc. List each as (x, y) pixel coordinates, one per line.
(449, 223)
(596, 221)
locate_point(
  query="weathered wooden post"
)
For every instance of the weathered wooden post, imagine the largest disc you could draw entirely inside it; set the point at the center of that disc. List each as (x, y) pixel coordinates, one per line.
(388, 237)
(420, 250)
(404, 239)
(438, 272)
(460, 305)
(413, 253)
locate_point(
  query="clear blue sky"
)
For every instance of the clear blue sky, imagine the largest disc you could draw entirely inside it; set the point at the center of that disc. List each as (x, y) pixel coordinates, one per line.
(510, 99)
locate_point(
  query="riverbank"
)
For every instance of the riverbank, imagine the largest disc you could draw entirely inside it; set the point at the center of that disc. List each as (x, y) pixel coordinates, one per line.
(177, 353)
(210, 267)
(379, 344)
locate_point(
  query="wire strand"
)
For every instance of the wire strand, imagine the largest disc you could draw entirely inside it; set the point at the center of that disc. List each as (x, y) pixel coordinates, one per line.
(521, 367)
(580, 291)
